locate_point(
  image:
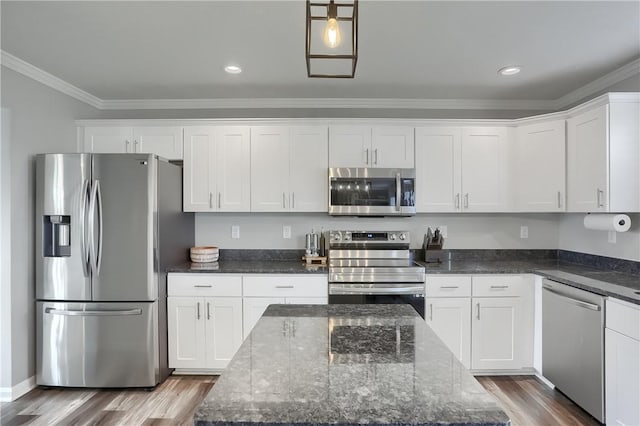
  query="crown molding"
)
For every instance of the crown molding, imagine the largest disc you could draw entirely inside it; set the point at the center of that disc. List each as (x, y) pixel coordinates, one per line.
(25, 68)
(328, 103)
(16, 64)
(616, 76)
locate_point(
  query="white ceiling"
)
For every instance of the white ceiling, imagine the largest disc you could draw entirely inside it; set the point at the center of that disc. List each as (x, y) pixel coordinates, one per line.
(119, 50)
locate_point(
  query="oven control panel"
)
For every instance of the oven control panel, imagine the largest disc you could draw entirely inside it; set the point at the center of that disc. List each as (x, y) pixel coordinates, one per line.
(369, 236)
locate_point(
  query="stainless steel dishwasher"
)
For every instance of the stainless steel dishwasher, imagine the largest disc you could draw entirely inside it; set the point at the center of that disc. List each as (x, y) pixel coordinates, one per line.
(573, 344)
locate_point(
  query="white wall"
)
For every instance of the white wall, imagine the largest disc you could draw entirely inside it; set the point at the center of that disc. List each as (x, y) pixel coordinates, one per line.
(41, 120)
(5, 253)
(573, 236)
(465, 231)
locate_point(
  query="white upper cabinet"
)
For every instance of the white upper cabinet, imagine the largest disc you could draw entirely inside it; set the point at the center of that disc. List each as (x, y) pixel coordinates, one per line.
(484, 165)
(165, 141)
(289, 169)
(309, 169)
(438, 172)
(216, 169)
(540, 167)
(603, 154)
(363, 146)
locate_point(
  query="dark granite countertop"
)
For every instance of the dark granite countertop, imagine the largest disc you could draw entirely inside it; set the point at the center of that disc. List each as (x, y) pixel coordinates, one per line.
(349, 365)
(252, 267)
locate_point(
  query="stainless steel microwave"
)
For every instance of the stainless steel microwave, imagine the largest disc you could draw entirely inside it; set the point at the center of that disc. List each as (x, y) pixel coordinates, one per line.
(372, 192)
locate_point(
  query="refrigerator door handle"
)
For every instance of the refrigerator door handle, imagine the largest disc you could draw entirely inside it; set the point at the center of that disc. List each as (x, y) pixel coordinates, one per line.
(95, 313)
(84, 200)
(100, 233)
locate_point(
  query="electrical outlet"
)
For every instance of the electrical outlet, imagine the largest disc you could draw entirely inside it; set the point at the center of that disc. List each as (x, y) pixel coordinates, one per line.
(524, 232)
(443, 230)
(235, 231)
(286, 231)
(612, 237)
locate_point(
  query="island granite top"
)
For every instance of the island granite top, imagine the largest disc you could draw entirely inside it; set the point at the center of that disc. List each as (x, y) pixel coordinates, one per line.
(348, 365)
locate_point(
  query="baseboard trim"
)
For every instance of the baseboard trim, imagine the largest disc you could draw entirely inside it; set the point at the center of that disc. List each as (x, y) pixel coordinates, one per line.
(15, 392)
(196, 372)
(521, 372)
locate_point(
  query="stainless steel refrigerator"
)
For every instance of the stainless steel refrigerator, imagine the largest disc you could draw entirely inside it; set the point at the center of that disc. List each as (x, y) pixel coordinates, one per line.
(107, 227)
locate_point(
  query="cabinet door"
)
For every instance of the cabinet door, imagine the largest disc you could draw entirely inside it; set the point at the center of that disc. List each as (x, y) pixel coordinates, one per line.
(484, 169)
(450, 319)
(108, 140)
(165, 141)
(252, 310)
(223, 331)
(308, 172)
(350, 146)
(540, 167)
(186, 332)
(496, 328)
(393, 147)
(438, 173)
(233, 169)
(199, 172)
(270, 169)
(587, 161)
(622, 379)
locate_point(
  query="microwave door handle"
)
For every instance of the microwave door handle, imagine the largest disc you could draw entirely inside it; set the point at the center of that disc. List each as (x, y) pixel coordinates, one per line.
(398, 191)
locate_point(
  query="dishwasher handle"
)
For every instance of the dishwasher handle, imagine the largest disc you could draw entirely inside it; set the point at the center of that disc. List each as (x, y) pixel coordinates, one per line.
(577, 302)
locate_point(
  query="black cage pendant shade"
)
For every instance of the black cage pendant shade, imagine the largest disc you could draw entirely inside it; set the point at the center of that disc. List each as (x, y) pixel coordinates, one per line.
(332, 38)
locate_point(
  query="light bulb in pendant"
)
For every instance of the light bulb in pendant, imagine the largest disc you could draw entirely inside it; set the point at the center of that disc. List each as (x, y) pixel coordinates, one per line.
(332, 36)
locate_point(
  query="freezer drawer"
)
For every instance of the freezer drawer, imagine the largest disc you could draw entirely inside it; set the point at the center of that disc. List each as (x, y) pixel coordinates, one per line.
(97, 344)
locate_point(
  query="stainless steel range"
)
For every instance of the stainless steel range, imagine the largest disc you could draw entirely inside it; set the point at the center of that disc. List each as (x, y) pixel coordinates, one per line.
(374, 267)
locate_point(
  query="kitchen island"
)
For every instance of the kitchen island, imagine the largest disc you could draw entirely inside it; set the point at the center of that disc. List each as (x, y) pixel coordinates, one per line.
(346, 364)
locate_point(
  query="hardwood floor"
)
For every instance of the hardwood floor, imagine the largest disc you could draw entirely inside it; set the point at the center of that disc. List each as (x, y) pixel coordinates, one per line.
(525, 399)
(529, 402)
(171, 403)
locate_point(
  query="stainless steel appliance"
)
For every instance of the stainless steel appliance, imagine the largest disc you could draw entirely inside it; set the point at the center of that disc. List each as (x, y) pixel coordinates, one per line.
(374, 267)
(372, 192)
(573, 344)
(107, 227)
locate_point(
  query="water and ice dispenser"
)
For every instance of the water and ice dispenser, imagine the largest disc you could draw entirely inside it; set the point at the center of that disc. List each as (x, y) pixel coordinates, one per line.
(57, 236)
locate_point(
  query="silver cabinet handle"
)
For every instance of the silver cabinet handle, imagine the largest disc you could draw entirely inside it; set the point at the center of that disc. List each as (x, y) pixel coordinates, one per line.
(203, 286)
(211, 200)
(599, 195)
(198, 310)
(431, 311)
(127, 143)
(219, 199)
(559, 200)
(375, 151)
(293, 200)
(576, 302)
(458, 200)
(448, 286)
(366, 151)
(135, 146)
(93, 313)
(466, 200)
(284, 286)
(478, 310)
(499, 286)
(284, 201)
(208, 311)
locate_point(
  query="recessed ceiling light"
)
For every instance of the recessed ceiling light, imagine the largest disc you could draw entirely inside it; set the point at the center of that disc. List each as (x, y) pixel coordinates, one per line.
(233, 69)
(510, 70)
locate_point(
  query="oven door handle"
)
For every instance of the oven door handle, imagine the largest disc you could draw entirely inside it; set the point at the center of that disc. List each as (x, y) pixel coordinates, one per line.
(418, 290)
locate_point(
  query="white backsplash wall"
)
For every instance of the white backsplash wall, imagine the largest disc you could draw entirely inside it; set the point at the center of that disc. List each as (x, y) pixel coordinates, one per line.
(573, 236)
(464, 231)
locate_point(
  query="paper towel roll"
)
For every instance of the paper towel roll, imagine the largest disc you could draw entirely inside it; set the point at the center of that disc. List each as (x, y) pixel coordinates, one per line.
(608, 222)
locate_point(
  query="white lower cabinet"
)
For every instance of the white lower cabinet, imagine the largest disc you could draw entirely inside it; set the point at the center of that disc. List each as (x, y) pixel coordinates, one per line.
(622, 363)
(486, 321)
(204, 320)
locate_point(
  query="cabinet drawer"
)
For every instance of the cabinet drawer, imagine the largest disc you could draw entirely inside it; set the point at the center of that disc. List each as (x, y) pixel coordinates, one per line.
(500, 285)
(623, 317)
(207, 285)
(449, 286)
(284, 286)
